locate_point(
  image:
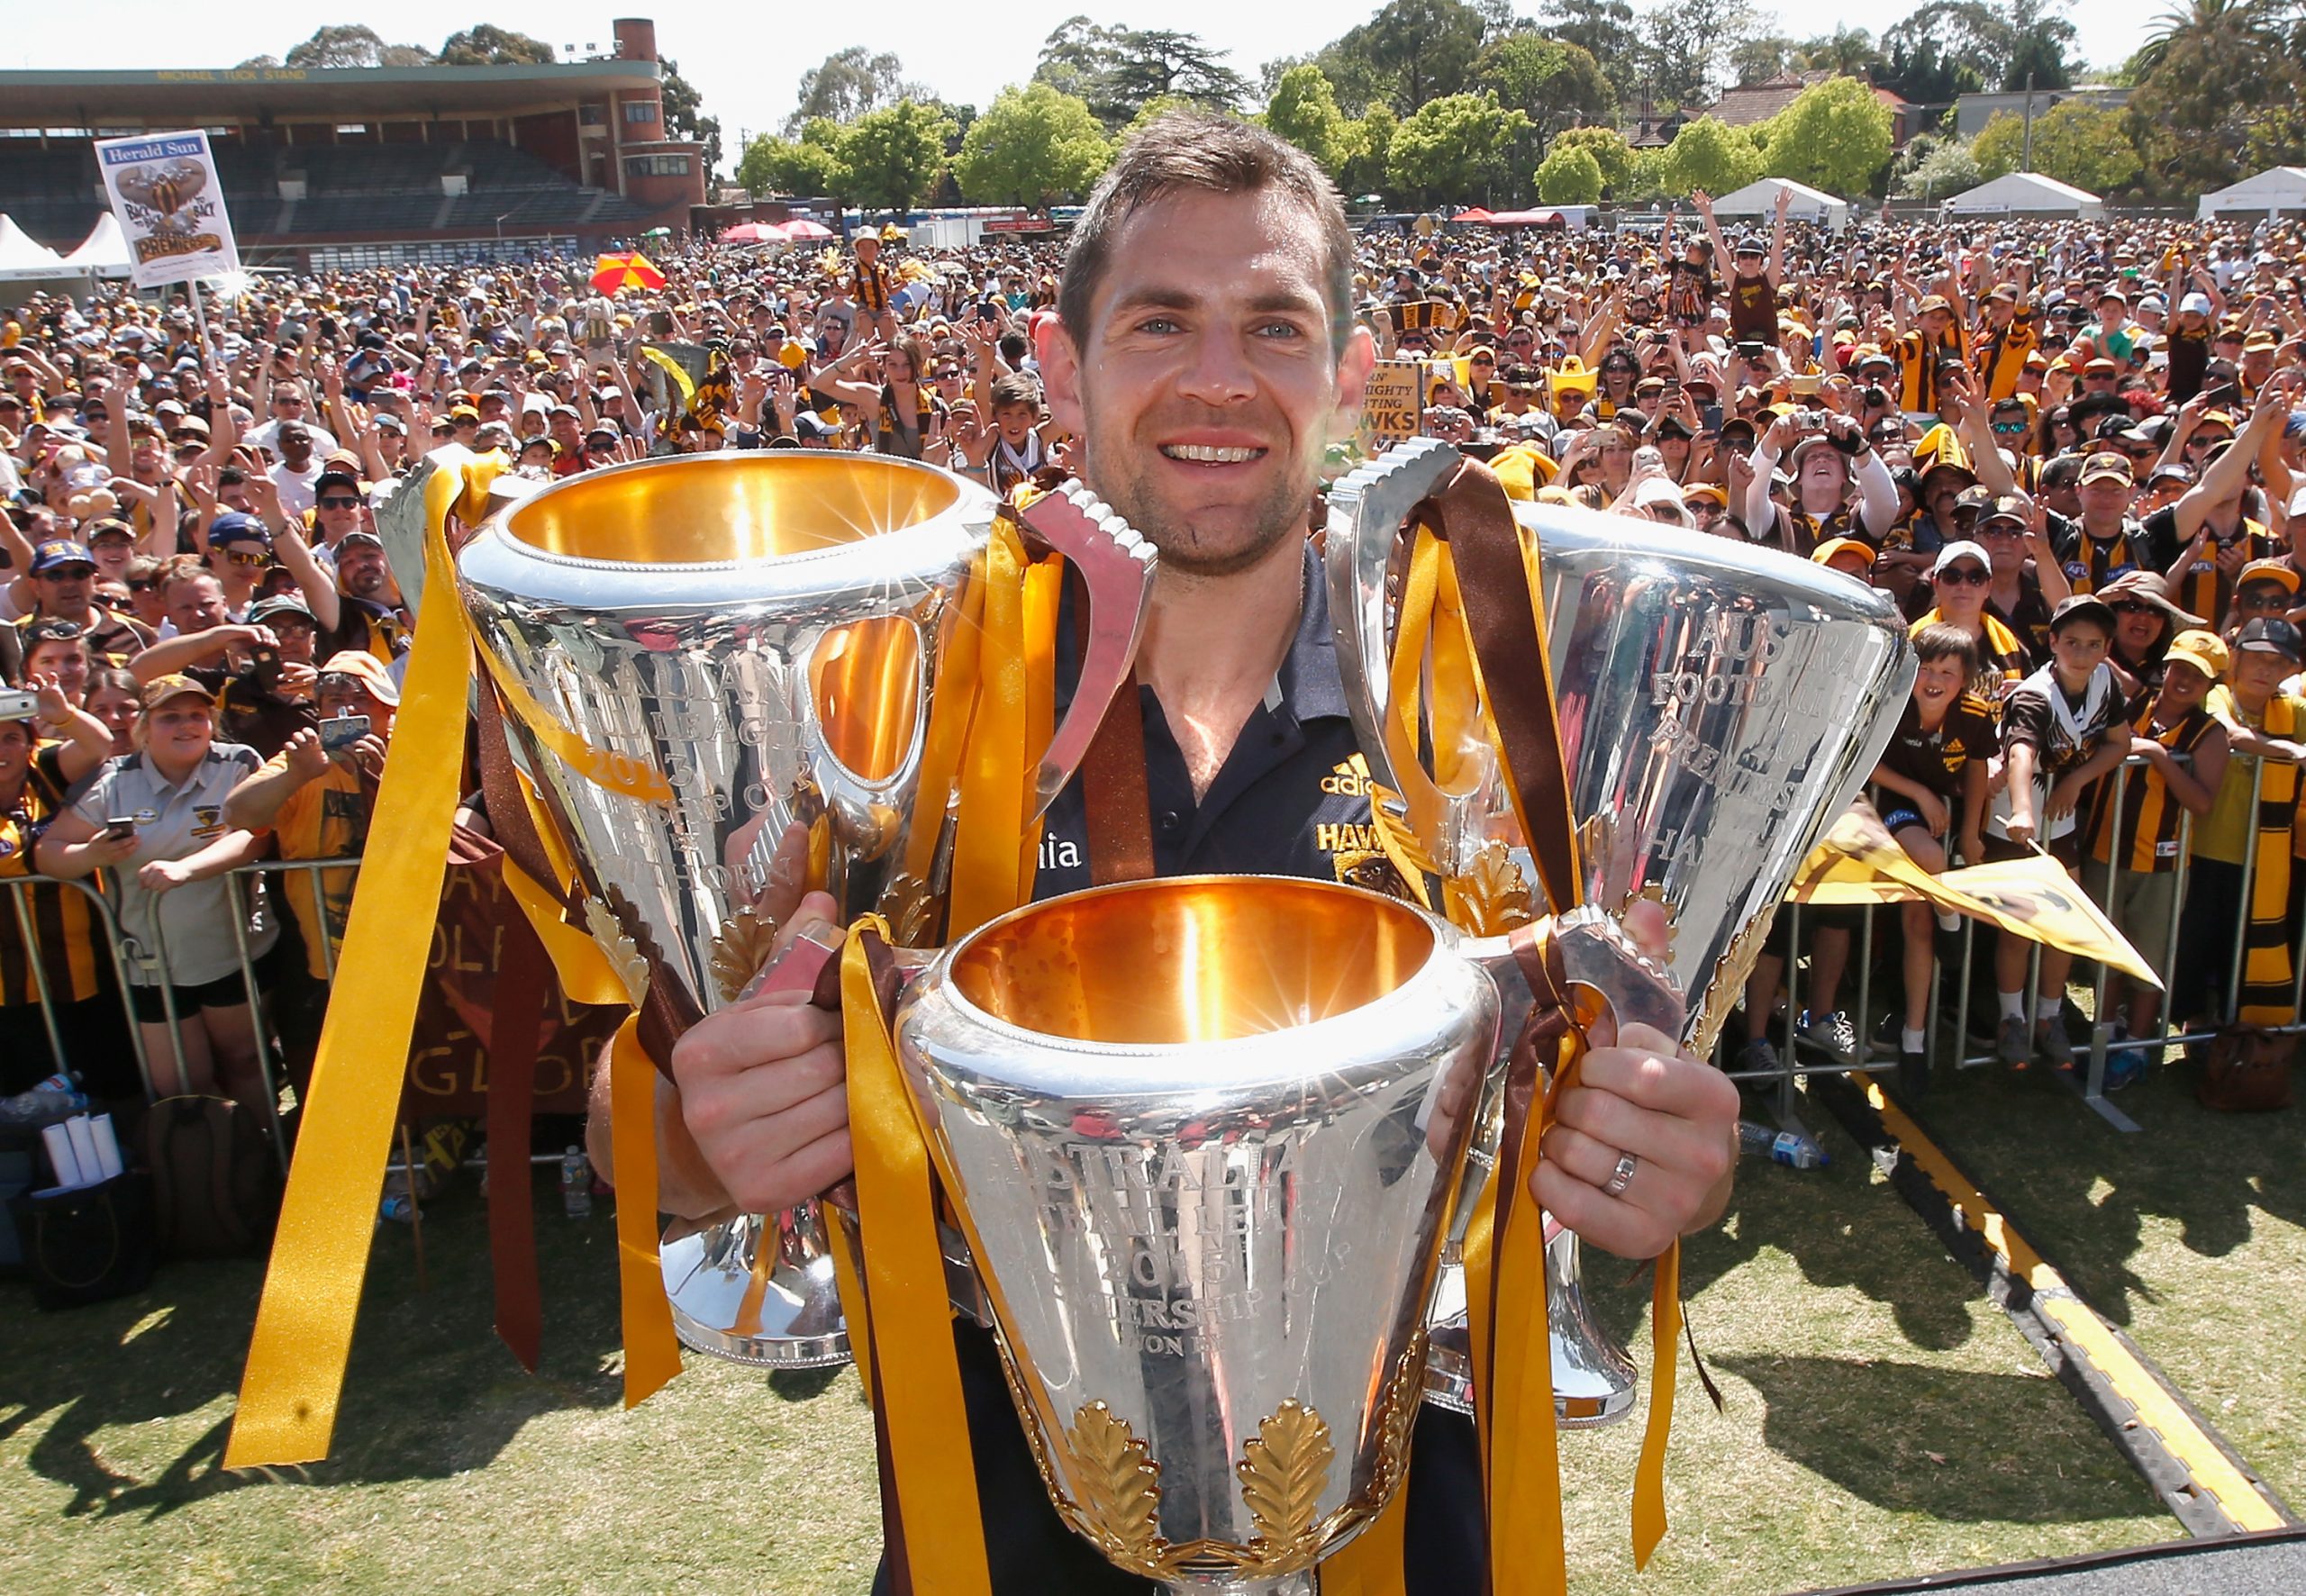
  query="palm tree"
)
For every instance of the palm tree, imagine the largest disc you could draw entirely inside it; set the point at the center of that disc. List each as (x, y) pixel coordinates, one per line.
(2248, 24)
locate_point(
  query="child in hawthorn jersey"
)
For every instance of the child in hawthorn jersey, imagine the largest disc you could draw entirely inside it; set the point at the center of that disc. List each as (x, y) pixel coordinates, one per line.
(1931, 782)
(2059, 733)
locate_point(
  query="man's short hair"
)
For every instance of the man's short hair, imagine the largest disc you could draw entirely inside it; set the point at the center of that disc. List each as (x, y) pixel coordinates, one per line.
(1196, 151)
(1015, 387)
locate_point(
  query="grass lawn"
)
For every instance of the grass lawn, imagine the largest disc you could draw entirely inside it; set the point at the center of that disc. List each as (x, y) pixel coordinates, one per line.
(2191, 1236)
(1882, 1420)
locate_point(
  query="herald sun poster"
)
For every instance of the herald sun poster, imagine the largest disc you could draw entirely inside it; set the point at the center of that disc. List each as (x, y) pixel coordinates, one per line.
(170, 205)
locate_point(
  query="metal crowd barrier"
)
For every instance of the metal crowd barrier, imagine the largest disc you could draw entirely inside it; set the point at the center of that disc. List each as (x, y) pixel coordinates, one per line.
(124, 949)
(2091, 1055)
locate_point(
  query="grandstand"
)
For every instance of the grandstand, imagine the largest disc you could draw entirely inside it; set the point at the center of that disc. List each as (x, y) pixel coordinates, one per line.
(371, 165)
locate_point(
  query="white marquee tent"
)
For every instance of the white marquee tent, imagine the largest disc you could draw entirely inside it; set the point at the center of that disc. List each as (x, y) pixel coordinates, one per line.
(2025, 193)
(105, 251)
(2272, 192)
(20, 256)
(1759, 198)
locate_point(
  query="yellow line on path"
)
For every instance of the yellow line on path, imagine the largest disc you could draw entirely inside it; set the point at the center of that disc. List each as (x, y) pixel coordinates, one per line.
(2085, 1334)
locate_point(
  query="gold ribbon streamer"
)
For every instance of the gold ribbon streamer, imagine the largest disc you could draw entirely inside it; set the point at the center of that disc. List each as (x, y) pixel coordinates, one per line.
(1372, 1563)
(986, 862)
(1649, 1472)
(320, 1254)
(577, 961)
(652, 1352)
(921, 1414)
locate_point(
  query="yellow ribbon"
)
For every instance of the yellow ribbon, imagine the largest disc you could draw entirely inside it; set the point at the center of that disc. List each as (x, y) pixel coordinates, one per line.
(909, 1317)
(1372, 1563)
(1649, 1472)
(986, 854)
(583, 969)
(952, 702)
(320, 1254)
(652, 1354)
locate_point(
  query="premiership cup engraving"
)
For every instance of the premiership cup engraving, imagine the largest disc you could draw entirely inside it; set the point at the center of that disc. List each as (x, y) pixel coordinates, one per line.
(1204, 1136)
(698, 653)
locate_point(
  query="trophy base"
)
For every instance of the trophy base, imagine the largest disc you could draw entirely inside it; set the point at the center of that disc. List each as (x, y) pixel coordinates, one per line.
(1281, 1584)
(1594, 1383)
(757, 1289)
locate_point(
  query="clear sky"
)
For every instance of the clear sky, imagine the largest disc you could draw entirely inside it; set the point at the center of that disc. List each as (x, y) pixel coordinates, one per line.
(746, 59)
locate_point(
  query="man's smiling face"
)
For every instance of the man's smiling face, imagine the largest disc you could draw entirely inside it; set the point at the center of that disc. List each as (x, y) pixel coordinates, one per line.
(1204, 386)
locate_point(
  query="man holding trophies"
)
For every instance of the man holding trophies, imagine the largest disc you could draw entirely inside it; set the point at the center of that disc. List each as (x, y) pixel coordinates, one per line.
(1205, 354)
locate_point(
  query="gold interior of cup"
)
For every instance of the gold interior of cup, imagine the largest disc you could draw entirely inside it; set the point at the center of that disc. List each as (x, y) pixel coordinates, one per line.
(866, 680)
(1194, 959)
(751, 505)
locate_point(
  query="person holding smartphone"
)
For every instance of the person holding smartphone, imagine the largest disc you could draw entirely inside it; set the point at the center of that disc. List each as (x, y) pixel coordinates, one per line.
(155, 821)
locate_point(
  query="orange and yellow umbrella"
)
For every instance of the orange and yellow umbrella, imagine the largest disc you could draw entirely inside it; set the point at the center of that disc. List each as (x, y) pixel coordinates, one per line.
(613, 273)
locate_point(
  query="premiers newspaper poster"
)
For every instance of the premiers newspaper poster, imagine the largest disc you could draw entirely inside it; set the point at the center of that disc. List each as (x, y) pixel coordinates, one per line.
(165, 191)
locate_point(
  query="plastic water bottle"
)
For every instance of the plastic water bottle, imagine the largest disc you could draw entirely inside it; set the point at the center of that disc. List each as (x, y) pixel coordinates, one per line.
(576, 1185)
(57, 1095)
(1783, 1146)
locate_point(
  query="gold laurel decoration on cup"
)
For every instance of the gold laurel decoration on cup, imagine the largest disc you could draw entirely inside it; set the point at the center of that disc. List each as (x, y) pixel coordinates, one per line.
(1283, 1472)
(624, 956)
(742, 947)
(1119, 1487)
(1492, 896)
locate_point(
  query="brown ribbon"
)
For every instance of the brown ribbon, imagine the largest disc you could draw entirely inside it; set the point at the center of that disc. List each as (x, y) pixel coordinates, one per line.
(515, 1022)
(1473, 515)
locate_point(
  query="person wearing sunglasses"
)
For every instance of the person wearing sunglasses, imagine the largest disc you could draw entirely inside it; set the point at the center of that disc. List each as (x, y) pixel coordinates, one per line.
(240, 550)
(1960, 578)
(2265, 587)
(2144, 620)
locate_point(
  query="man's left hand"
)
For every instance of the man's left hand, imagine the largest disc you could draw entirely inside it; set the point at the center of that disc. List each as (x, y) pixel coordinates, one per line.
(1676, 1116)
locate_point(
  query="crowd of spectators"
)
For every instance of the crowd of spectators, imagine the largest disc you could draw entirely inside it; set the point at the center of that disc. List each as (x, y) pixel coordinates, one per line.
(2070, 452)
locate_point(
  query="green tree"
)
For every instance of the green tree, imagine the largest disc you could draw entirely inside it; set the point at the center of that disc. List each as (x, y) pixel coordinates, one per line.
(1372, 146)
(893, 155)
(847, 83)
(803, 166)
(1835, 136)
(1607, 145)
(1559, 85)
(1603, 29)
(1121, 72)
(349, 44)
(1032, 145)
(1569, 177)
(2220, 93)
(1709, 154)
(489, 45)
(1846, 51)
(1408, 53)
(1153, 111)
(684, 116)
(1762, 57)
(1648, 183)
(2075, 142)
(1933, 166)
(1457, 149)
(1686, 47)
(1303, 111)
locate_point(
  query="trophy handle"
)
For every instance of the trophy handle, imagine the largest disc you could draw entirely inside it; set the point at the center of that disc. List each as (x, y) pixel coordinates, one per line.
(1116, 566)
(1367, 509)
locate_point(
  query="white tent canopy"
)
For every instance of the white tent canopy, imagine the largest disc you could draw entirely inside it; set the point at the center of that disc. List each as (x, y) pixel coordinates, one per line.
(20, 256)
(1759, 198)
(2026, 194)
(2272, 191)
(104, 250)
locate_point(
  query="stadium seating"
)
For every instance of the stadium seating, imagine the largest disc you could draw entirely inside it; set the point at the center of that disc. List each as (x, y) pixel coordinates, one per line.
(382, 191)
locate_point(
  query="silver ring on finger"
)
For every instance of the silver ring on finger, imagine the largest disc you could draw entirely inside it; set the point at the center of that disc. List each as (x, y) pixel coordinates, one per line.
(1621, 1176)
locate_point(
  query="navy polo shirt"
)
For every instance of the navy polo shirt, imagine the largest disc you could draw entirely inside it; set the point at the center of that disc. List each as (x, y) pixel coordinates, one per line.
(1292, 793)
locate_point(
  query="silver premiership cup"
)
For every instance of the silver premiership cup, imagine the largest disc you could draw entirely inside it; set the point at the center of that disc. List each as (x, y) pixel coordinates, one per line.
(1204, 1135)
(1719, 705)
(698, 652)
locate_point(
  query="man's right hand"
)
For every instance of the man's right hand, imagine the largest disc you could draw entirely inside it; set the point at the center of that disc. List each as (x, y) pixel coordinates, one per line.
(764, 1093)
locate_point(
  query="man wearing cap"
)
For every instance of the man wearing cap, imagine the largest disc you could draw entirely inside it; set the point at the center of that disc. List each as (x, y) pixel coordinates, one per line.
(1934, 337)
(2189, 346)
(2008, 339)
(317, 805)
(2184, 748)
(240, 552)
(355, 605)
(2107, 541)
(63, 587)
(1755, 278)
(2264, 587)
(2059, 734)
(1828, 458)
(339, 506)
